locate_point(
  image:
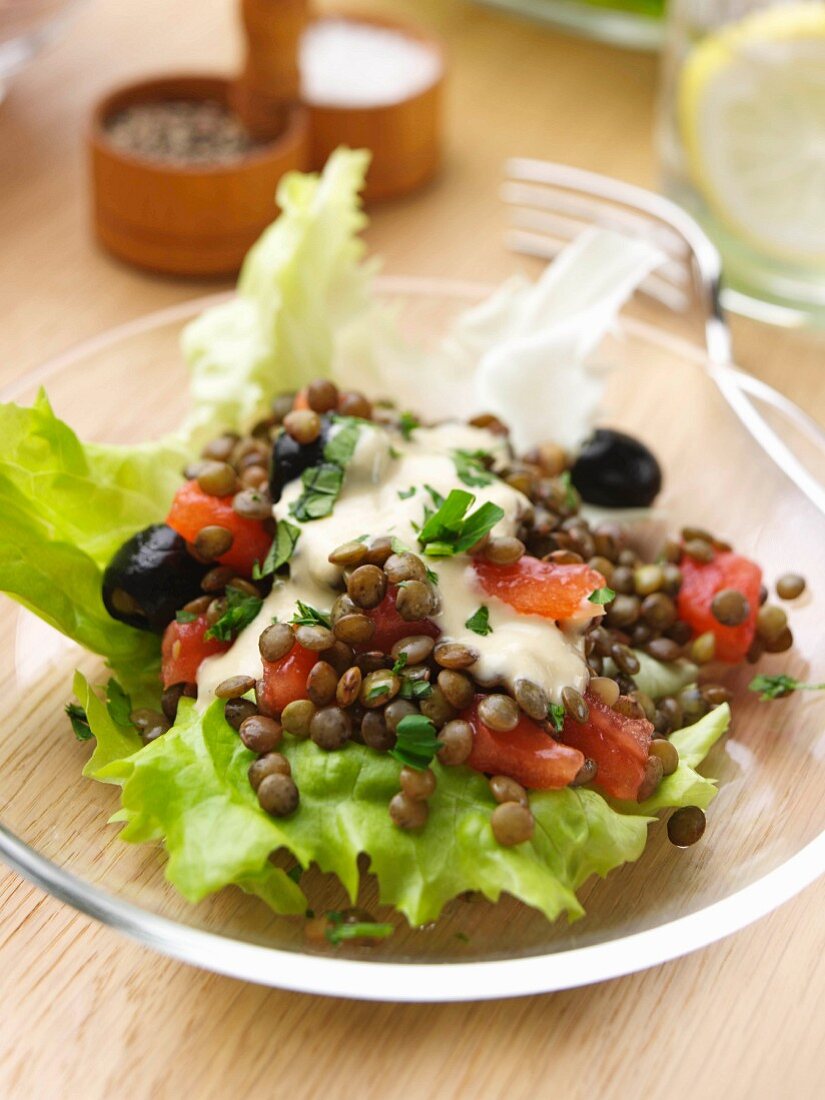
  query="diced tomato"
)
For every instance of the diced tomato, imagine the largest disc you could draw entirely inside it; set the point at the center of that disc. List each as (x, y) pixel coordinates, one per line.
(391, 628)
(700, 583)
(619, 745)
(285, 680)
(535, 587)
(183, 648)
(193, 509)
(301, 400)
(527, 753)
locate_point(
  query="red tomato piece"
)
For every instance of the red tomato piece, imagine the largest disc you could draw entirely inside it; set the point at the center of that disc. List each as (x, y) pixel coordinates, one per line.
(285, 680)
(527, 754)
(619, 745)
(700, 583)
(183, 648)
(535, 587)
(391, 628)
(193, 509)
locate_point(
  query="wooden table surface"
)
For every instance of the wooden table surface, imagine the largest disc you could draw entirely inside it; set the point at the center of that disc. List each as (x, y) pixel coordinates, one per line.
(85, 1013)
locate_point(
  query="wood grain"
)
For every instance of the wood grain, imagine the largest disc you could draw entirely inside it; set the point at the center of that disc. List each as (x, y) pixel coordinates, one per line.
(84, 1013)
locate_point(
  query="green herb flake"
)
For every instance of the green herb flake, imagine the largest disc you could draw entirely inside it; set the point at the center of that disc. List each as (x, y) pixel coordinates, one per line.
(400, 663)
(79, 721)
(394, 452)
(241, 609)
(479, 622)
(309, 616)
(777, 687)
(555, 713)
(405, 494)
(451, 531)
(185, 616)
(571, 500)
(416, 742)
(322, 487)
(342, 443)
(118, 703)
(415, 689)
(377, 691)
(407, 423)
(281, 550)
(373, 930)
(602, 596)
(471, 467)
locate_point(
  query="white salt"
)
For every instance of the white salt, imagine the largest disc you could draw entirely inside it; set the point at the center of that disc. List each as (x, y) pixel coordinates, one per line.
(349, 64)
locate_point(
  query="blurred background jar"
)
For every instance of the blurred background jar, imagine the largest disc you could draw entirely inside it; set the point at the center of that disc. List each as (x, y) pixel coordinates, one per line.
(742, 144)
(26, 26)
(637, 24)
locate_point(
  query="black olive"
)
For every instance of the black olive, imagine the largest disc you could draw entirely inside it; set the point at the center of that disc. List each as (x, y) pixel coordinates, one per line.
(615, 470)
(150, 577)
(290, 458)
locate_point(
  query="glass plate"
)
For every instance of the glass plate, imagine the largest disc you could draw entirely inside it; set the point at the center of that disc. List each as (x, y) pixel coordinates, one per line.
(764, 840)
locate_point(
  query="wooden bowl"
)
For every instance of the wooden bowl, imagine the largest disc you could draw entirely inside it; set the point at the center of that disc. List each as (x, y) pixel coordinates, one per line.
(186, 219)
(404, 137)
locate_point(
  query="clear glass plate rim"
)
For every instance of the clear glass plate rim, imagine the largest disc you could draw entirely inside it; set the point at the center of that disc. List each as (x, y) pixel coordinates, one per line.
(422, 982)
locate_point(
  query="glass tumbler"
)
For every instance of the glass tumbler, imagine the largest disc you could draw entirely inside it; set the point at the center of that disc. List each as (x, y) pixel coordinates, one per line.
(742, 145)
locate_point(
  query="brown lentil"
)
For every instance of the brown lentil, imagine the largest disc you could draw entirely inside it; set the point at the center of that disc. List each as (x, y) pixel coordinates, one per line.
(220, 449)
(144, 718)
(499, 712)
(763, 594)
(354, 629)
(625, 659)
(673, 579)
(378, 550)
(330, 728)
(375, 733)
(454, 655)
(198, 606)
(373, 661)
(686, 826)
(667, 754)
(658, 611)
(278, 795)
(694, 705)
(586, 773)
(531, 698)
(379, 687)
(628, 707)
(505, 789)
(349, 687)
(417, 647)
(408, 813)
(352, 403)
(622, 580)
(648, 579)
(729, 607)
(396, 711)
(672, 709)
(322, 395)
(436, 707)
(781, 643)
(512, 823)
(417, 785)
(680, 632)
(322, 683)
(504, 550)
(689, 533)
(654, 770)
(756, 650)
(414, 601)
(281, 405)
(703, 648)
(261, 734)
(645, 702)
(304, 425)
(297, 717)
(348, 554)
(253, 504)
(274, 763)
(716, 694)
(700, 550)
(623, 611)
(405, 567)
(254, 477)
(276, 641)
(367, 586)
(456, 739)
(216, 579)
(605, 689)
(212, 541)
(574, 704)
(770, 622)
(234, 686)
(173, 695)
(152, 733)
(564, 557)
(340, 656)
(237, 711)
(316, 637)
(664, 649)
(218, 479)
(458, 689)
(790, 586)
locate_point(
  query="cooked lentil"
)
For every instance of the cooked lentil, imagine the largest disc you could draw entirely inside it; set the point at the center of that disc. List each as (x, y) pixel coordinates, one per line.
(686, 826)
(512, 823)
(790, 586)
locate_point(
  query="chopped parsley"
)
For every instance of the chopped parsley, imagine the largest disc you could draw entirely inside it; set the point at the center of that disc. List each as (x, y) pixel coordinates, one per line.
(777, 687)
(241, 609)
(451, 530)
(281, 550)
(437, 498)
(602, 596)
(341, 445)
(415, 689)
(571, 500)
(479, 622)
(185, 616)
(471, 467)
(323, 483)
(118, 703)
(400, 663)
(79, 721)
(407, 423)
(377, 690)
(309, 616)
(405, 494)
(555, 714)
(416, 742)
(339, 931)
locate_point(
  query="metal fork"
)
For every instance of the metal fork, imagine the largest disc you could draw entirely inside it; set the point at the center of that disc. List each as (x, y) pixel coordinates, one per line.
(550, 204)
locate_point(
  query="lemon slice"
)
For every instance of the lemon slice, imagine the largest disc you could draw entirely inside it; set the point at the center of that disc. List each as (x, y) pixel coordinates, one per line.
(751, 105)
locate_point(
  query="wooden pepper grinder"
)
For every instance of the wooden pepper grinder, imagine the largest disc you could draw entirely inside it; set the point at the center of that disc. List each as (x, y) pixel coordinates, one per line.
(269, 85)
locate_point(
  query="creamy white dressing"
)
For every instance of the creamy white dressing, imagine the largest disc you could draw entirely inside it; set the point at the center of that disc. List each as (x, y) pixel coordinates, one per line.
(384, 466)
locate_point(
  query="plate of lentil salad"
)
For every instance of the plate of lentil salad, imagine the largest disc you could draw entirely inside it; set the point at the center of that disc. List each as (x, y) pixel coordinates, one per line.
(406, 780)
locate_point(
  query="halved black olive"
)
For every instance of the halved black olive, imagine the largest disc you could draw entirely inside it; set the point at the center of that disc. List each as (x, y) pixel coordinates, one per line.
(150, 577)
(615, 470)
(290, 458)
